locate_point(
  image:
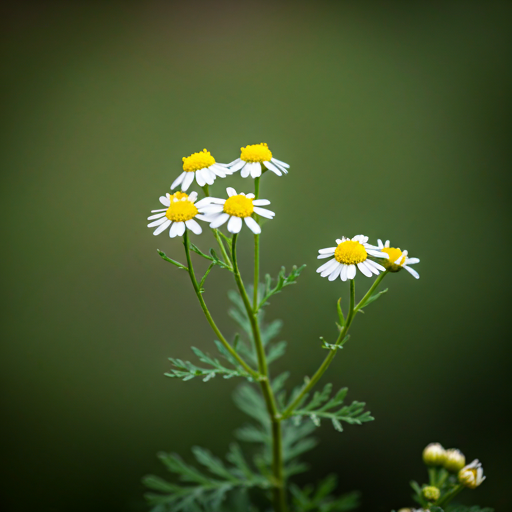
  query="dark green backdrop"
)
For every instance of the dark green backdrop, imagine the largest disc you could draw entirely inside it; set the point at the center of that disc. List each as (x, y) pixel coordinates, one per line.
(395, 118)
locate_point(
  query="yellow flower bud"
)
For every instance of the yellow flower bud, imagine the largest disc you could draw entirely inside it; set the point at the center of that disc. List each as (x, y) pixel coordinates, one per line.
(434, 455)
(431, 493)
(454, 461)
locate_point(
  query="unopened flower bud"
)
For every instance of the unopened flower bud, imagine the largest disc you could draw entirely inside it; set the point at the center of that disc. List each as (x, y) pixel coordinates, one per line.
(472, 475)
(431, 493)
(454, 461)
(434, 455)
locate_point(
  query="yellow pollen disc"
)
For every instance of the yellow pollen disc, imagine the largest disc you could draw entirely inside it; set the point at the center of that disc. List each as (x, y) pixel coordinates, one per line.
(350, 252)
(180, 211)
(239, 206)
(394, 254)
(197, 161)
(256, 153)
(178, 195)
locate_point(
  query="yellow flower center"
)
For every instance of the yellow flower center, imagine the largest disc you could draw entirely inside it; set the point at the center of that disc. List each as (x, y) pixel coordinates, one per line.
(256, 153)
(350, 252)
(239, 206)
(197, 161)
(180, 211)
(394, 254)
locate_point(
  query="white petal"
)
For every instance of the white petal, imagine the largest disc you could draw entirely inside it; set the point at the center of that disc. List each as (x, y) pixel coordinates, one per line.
(380, 245)
(234, 224)
(231, 191)
(364, 269)
(174, 229)
(218, 170)
(412, 271)
(246, 170)
(260, 202)
(327, 250)
(203, 202)
(256, 170)
(218, 221)
(264, 212)
(209, 176)
(192, 197)
(351, 272)
(212, 208)
(157, 216)
(157, 222)
(162, 227)
(252, 225)
(271, 167)
(206, 218)
(343, 273)
(217, 200)
(336, 272)
(200, 180)
(325, 265)
(250, 196)
(284, 164)
(386, 244)
(323, 256)
(332, 266)
(160, 210)
(181, 228)
(237, 166)
(178, 180)
(376, 268)
(164, 200)
(377, 254)
(187, 181)
(411, 261)
(193, 226)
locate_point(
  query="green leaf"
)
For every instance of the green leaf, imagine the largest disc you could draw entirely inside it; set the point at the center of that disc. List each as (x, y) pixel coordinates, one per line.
(166, 258)
(276, 351)
(282, 281)
(373, 298)
(353, 414)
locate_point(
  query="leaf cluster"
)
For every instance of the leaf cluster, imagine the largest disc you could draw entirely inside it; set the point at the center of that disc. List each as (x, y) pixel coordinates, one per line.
(282, 281)
(201, 490)
(320, 499)
(322, 406)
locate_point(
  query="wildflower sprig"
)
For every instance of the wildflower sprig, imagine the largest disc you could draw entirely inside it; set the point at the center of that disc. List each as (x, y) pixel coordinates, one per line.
(448, 477)
(282, 422)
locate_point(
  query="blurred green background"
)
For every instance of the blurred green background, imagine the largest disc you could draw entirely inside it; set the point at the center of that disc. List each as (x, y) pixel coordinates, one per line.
(396, 120)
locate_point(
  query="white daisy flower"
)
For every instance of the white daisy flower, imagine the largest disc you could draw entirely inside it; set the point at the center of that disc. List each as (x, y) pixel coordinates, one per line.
(236, 208)
(180, 213)
(347, 255)
(398, 259)
(253, 157)
(203, 167)
(472, 475)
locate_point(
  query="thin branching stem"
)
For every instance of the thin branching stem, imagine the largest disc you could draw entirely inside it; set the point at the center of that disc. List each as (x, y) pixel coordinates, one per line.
(206, 312)
(279, 492)
(332, 353)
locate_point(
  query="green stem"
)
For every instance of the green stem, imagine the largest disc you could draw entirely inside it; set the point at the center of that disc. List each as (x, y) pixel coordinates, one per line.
(332, 353)
(328, 360)
(256, 250)
(449, 496)
(206, 312)
(432, 475)
(206, 190)
(279, 491)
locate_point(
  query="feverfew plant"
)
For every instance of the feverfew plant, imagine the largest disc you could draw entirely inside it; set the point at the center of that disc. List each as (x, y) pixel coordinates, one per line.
(282, 421)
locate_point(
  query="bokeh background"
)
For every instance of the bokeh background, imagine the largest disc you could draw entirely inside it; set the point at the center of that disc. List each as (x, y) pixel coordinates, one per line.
(396, 120)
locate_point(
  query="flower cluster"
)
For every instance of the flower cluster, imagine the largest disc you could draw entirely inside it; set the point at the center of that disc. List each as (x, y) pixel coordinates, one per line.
(448, 476)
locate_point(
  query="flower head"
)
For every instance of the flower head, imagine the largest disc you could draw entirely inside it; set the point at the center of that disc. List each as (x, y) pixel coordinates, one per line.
(235, 208)
(431, 493)
(203, 167)
(472, 475)
(434, 455)
(252, 159)
(347, 255)
(180, 213)
(454, 461)
(398, 259)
